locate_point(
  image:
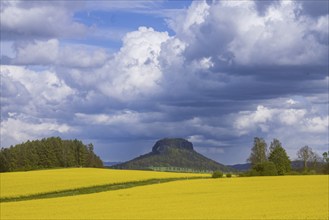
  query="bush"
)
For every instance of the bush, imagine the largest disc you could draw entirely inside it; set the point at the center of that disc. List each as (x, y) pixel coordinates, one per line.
(325, 168)
(228, 175)
(266, 169)
(242, 174)
(217, 174)
(309, 172)
(312, 172)
(293, 172)
(248, 173)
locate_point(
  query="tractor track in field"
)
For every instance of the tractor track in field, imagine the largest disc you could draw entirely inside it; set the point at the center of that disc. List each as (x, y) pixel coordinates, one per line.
(93, 189)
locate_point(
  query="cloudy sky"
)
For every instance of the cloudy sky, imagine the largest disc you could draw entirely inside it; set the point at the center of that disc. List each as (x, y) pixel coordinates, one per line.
(122, 74)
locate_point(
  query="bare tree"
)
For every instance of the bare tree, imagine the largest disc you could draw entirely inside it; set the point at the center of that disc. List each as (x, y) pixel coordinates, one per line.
(315, 160)
(306, 154)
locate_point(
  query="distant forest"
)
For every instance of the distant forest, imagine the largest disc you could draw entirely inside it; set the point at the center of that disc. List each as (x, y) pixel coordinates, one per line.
(48, 153)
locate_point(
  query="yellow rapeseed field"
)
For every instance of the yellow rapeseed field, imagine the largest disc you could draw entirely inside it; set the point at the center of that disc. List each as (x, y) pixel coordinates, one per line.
(282, 197)
(32, 182)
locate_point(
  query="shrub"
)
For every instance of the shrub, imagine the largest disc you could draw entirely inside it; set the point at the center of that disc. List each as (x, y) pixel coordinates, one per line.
(228, 175)
(325, 168)
(309, 172)
(293, 172)
(242, 174)
(266, 169)
(248, 173)
(217, 174)
(312, 172)
(253, 172)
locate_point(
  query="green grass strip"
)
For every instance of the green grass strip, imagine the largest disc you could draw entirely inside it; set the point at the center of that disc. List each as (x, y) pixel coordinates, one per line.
(93, 189)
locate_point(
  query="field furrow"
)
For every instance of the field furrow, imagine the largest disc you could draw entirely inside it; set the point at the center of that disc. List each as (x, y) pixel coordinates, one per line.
(37, 182)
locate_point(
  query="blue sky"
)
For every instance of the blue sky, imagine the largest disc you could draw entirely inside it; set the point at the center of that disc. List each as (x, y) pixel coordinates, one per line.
(123, 74)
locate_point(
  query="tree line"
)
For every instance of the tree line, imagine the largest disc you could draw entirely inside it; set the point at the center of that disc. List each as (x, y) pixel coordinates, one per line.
(275, 161)
(50, 152)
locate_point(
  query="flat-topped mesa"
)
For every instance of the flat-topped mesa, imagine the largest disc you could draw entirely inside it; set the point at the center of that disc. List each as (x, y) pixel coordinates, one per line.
(163, 144)
(173, 152)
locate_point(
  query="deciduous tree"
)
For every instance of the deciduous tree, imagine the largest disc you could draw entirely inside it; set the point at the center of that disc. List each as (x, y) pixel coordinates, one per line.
(258, 152)
(279, 157)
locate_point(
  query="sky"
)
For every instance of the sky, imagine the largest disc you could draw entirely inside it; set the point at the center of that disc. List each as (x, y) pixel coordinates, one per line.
(123, 74)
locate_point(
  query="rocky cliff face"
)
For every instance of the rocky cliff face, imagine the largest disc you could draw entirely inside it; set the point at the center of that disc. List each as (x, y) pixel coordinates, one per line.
(166, 143)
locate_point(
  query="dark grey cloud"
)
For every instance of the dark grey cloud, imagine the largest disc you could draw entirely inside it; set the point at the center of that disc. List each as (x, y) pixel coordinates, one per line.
(5, 60)
(12, 92)
(263, 5)
(315, 8)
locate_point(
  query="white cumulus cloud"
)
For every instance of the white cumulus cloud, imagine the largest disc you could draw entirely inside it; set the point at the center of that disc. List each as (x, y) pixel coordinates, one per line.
(44, 85)
(135, 70)
(271, 119)
(21, 20)
(17, 129)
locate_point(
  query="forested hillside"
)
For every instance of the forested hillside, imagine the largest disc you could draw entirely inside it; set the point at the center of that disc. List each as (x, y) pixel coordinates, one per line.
(48, 153)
